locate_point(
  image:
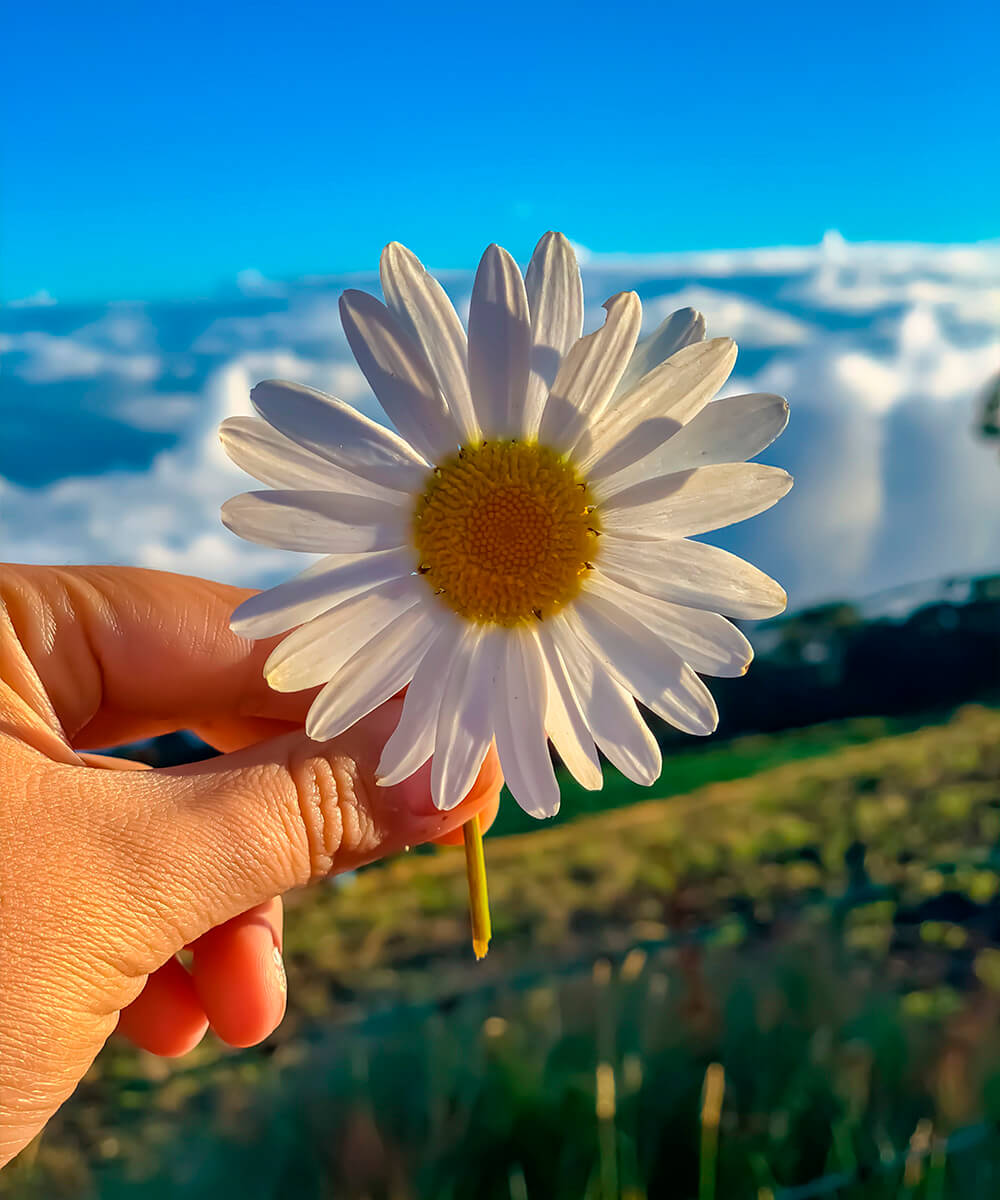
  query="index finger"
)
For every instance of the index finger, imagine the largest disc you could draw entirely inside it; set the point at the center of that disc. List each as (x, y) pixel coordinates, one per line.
(126, 653)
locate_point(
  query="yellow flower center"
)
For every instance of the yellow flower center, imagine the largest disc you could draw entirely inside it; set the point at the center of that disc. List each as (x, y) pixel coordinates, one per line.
(505, 532)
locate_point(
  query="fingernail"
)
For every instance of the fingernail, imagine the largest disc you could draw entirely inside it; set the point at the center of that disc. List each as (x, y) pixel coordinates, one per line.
(279, 967)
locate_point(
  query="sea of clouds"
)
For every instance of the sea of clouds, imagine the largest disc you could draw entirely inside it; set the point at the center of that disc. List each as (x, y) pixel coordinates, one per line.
(108, 413)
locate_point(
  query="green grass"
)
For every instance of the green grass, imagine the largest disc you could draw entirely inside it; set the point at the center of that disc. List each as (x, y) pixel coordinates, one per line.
(822, 928)
(697, 765)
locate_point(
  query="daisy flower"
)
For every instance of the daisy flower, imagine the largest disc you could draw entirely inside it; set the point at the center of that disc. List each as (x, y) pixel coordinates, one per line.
(518, 554)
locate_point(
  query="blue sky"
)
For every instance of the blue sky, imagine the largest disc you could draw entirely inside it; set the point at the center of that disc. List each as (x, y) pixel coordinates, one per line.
(156, 150)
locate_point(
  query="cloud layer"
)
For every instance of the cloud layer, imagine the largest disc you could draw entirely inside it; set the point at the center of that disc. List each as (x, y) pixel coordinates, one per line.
(109, 451)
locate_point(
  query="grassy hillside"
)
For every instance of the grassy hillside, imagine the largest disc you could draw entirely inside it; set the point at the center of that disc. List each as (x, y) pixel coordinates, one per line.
(924, 806)
(689, 764)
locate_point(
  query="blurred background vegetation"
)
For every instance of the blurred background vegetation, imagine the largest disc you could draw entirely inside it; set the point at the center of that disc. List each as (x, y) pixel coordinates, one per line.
(778, 979)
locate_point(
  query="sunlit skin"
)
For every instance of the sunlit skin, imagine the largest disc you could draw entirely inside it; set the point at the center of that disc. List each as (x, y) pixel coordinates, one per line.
(108, 870)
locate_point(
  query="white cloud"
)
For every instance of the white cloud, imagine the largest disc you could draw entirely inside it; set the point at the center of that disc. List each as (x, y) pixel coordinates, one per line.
(157, 412)
(748, 321)
(310, 320)
(40, 299)
(252, 282)
(44, 358)
(860, 278)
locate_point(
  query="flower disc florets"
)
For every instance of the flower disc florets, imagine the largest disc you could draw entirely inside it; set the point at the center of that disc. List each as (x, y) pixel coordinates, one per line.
(505, 532)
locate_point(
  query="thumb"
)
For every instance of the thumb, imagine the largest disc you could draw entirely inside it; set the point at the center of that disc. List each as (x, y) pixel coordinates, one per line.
(200, 844)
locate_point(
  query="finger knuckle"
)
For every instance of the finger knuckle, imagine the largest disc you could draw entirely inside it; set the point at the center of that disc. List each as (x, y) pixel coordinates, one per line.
(332, 806)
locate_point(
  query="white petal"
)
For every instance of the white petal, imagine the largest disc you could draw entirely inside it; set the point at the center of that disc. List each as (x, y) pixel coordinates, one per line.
(421, 304)
(555, 300)
(399, 375)
(733, 429)
(564, 720)
(412, 741)
(465, 722)
(609, 709)
(678, 330)
(317, 589)
(316, 522)
(621, 731)
(335, 431)
(267, 455)
(316, 651)
(373, 674)
(694, 574)
(499, 345)
(691, 502)
(706, 641)
(656, 407)
(590, 373)
(519, 720)
(639, 660)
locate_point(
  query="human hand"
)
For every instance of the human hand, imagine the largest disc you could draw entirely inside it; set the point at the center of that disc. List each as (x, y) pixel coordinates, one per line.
(107, 869)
